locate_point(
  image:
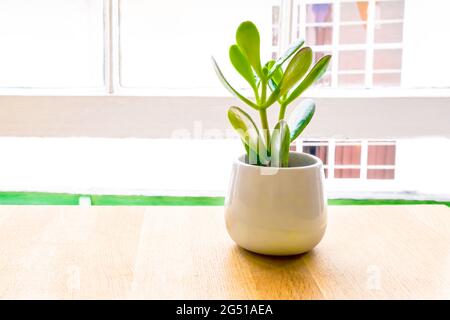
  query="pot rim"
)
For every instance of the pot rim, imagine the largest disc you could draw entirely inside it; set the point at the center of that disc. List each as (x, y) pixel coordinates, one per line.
(317, 162)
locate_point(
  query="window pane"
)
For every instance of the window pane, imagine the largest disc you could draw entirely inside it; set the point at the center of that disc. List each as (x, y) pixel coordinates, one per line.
(387, 59)
(168, 44)
(385, 10)
(353, 34)
(317, 36)
(354, 11)
(319, 54)
(381, 174)
(352, 60)
(319, 13)
(275, 15)
(346, 173)
(388, 32)
(351, 80)
(275, 36)
(324, 81)
(51, 43)
(275, 25)
(386, 79)
(348, 155)
(381, 155)
(318, 151)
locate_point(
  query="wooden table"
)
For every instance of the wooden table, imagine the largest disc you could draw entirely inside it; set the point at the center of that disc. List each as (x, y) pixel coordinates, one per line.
(185, 253)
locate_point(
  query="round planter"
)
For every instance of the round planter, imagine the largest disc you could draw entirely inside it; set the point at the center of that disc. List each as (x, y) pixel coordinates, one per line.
(277, 211)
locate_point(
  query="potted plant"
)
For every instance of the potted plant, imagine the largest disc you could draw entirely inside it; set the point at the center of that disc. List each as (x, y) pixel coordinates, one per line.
(275, 203)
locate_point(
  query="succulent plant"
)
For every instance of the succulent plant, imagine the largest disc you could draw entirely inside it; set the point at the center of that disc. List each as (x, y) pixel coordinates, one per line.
(281, 81)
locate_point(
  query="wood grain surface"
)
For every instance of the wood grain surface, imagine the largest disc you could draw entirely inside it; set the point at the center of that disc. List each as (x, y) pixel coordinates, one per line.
(75, 252)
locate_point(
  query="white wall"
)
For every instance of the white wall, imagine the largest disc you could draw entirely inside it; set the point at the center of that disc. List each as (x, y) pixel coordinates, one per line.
(161, 117)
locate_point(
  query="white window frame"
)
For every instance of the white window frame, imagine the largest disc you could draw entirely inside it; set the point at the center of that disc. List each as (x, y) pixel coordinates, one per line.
(368, 47)
(117, 112)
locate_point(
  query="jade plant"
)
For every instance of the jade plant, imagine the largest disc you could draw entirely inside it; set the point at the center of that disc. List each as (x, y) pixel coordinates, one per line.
(281, 81)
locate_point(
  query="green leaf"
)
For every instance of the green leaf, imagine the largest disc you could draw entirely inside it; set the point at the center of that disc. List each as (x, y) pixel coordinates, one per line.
(314, 74)
(286, 55)
(247, 38)
(230, 88)
(296, 69)
(265, 70)
(276, 77)
(249, 134)
(241, 64)
(300, 117)
(269, 64)
(273, 86)
(247, 150)
(279, 151)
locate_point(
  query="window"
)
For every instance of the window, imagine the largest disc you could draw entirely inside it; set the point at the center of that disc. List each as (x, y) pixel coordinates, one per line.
(148, 66)
(51, 44)
(120, 46)
(364, 37)
(168, 44)
(353, 159)
(381, 160)
(276, 30)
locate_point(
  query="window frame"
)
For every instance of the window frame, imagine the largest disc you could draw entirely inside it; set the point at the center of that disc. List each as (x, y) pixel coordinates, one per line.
(368, 47)
(288, 15)
(391, 105)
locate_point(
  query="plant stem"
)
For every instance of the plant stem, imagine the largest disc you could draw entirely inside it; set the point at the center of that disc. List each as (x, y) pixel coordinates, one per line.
(263, 91)
(263, 113)
(265, 126)
(256, 93)
(282, 111)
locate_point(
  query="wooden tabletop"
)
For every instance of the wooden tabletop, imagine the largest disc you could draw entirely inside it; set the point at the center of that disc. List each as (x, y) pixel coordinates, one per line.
(185, 253)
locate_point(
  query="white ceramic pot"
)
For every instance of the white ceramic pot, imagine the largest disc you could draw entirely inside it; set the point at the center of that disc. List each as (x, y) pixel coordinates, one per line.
(277, 211)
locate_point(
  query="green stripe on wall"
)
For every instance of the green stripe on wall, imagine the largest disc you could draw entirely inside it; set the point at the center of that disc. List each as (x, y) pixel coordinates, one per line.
(42, 198)
(38, 198)
(374, 202)
(105, 200)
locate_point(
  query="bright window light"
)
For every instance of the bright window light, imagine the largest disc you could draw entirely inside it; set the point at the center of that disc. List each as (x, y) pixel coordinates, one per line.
(51, 44)
(353, 168)
(124, 45)
(169, 44)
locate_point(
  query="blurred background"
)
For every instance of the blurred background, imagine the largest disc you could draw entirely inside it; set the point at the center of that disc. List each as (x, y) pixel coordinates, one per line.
(119, 96)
